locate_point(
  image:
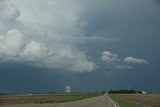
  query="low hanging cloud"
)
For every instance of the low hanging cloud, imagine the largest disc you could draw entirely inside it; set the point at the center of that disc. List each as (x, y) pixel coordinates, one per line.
(133, 60)
(109, 57)
(52, 44)
(111, 60)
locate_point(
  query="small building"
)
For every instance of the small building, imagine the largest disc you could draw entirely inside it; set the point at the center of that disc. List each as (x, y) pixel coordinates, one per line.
(68, 89)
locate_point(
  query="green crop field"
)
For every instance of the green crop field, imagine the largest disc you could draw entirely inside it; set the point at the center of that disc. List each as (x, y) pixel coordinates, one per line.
(137, 100)
(44, 98)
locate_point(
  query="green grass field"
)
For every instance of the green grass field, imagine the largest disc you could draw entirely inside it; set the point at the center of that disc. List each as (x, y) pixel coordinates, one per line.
(137, 100)
(44, 98)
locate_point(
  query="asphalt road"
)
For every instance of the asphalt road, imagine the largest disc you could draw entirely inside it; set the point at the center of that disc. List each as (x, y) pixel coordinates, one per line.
(100, 101)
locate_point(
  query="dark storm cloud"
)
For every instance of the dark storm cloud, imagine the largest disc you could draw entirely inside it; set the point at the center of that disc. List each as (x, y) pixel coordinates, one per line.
(65, 51)
(134, 23)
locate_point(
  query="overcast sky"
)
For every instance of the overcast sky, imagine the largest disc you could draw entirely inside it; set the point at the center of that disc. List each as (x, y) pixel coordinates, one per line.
(94, 45)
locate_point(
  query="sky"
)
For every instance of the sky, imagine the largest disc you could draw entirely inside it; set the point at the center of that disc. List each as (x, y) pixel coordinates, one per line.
(89, 45)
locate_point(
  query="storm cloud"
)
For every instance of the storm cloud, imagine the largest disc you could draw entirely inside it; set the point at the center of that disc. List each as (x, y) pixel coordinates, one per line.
(59, 49)
(57, 42)
(53, 34)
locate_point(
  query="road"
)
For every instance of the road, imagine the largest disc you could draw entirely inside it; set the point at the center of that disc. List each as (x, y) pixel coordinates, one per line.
(100, 101)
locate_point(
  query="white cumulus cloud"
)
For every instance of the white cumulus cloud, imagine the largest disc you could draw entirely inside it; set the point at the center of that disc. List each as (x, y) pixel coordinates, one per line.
(33, 51)
(109, 57)
(11, 43)
(133, 60)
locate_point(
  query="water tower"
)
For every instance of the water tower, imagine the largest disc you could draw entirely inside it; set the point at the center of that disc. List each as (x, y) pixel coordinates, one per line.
(68, 89)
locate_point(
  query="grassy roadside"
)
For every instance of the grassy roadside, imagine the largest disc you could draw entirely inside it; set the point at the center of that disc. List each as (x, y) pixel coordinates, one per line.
(122, 102)
(137, 100)
(45, 98)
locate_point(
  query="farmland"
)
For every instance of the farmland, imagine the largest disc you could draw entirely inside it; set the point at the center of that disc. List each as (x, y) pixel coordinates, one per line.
(137, 100)
(44, 98)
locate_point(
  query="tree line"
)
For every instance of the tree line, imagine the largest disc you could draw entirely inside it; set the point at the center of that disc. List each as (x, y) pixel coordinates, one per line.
(125, 91)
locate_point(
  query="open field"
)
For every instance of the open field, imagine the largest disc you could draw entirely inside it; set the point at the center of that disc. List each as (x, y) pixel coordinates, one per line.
(137, 100)
(44, 98)
(98, 101)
